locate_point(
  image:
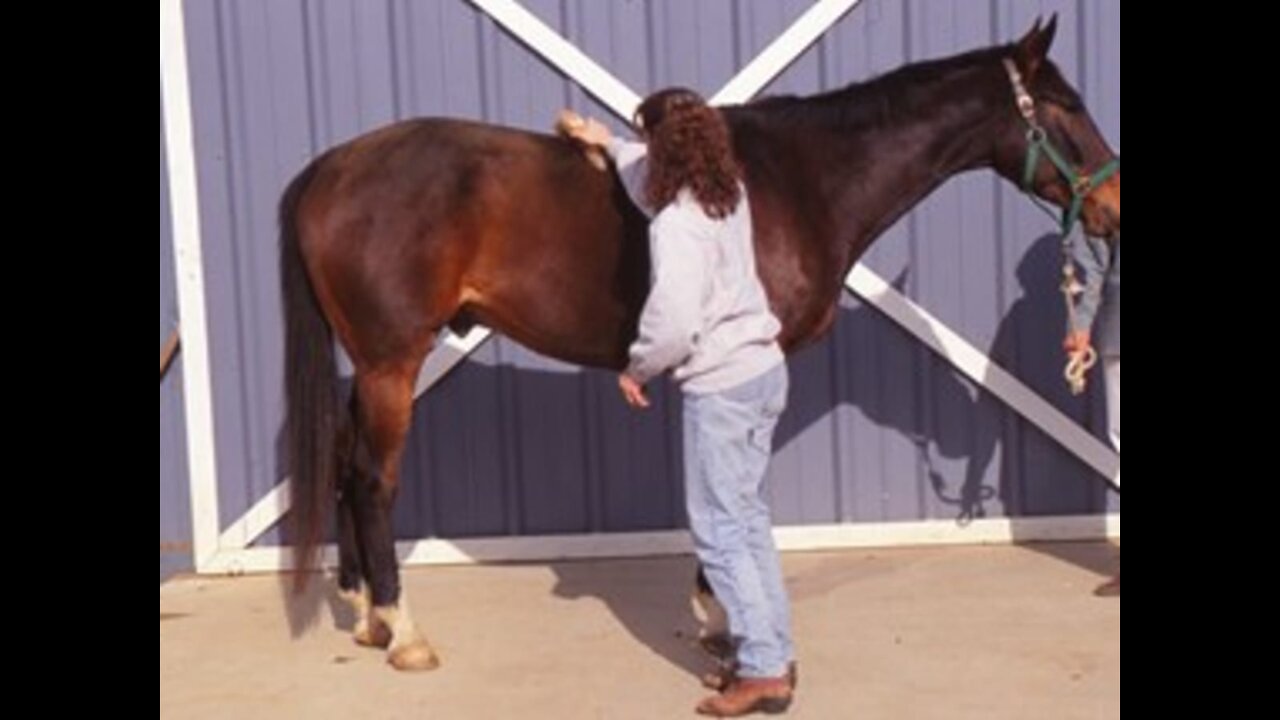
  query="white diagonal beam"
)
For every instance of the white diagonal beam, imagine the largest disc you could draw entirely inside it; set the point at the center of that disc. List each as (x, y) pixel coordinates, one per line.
(783, 51)
(268, 510)
(562, 54)
(982, 370)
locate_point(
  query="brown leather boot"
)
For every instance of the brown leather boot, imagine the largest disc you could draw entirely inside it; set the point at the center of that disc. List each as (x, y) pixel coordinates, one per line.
(748, 695)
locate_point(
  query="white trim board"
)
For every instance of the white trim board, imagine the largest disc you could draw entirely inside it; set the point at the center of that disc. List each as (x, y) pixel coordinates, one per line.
(188, 261)
(797, 538)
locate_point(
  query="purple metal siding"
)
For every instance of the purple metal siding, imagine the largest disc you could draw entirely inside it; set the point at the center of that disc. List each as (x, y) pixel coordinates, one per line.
(512, 443)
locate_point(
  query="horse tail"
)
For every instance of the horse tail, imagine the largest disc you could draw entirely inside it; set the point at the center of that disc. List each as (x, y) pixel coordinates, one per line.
(311, 376)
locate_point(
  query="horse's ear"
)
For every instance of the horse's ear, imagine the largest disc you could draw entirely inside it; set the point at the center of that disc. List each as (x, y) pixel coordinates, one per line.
(1033, 47)
(1047, 35)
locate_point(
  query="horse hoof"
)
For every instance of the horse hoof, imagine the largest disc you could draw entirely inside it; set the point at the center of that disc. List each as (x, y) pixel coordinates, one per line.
(375, 635)
(414, 657)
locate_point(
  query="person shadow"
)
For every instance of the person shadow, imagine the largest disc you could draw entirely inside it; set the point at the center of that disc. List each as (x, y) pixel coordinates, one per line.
(1038, 476)
(981, 458)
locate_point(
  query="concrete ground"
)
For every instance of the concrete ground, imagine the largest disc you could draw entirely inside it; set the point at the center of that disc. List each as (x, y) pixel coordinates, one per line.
(951, 632)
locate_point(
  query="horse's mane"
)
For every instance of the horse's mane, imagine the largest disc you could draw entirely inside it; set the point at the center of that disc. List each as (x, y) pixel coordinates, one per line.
(887, 99)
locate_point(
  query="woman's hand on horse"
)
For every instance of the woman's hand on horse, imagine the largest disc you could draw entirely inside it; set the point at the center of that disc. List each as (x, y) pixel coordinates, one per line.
(585, 130)
(632, 391)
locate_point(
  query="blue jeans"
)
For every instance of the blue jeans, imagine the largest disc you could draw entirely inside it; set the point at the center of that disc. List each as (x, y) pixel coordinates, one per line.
(728, 438)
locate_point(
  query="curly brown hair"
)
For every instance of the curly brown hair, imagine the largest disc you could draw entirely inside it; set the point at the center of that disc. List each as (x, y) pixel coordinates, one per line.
(688, 147)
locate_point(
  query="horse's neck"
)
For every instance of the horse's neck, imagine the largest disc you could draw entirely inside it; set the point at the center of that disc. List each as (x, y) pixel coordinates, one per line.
(897, 165)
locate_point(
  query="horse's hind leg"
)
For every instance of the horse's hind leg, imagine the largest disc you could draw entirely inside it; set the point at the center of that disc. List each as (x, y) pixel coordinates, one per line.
(352, 586)
(384, 401)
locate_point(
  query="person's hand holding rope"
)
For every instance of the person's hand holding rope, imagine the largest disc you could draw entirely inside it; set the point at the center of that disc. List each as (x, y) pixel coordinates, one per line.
(1080, 353)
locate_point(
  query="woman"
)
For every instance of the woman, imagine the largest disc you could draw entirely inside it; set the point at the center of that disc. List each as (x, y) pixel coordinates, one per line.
(707, 320)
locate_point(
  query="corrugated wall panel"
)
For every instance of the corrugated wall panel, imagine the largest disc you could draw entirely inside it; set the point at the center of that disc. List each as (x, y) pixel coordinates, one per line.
(511, 443)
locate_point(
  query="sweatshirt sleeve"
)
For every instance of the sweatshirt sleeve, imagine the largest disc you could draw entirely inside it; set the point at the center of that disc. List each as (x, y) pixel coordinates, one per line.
(671, 321)
(631, 160)
(1093, 255)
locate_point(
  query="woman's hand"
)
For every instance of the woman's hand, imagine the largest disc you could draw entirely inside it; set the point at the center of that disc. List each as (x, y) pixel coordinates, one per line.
(632, 391)
(1077, 341)
(587, 131)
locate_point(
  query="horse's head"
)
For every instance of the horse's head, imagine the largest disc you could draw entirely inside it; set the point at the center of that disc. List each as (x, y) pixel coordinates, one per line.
(1052, 147)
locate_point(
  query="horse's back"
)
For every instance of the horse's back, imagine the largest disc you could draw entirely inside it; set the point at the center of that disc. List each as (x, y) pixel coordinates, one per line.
(447, 216)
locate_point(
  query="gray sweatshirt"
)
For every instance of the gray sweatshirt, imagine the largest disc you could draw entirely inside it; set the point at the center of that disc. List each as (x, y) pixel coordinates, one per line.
(707, 316)
(1101, 298)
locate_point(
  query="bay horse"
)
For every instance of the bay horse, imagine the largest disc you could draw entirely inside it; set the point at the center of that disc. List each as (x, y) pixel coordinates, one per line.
(432, 223)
